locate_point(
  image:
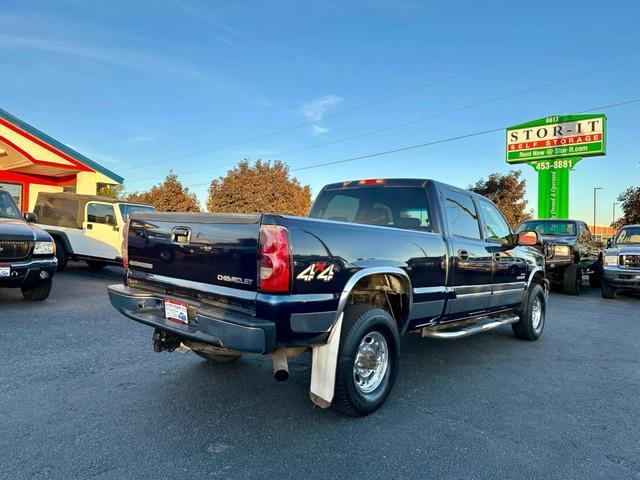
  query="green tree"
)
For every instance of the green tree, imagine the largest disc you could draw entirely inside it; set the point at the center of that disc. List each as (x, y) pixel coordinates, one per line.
(113, 191)
(507, 191)
(630, 200)
(264, 187)
(168, 196)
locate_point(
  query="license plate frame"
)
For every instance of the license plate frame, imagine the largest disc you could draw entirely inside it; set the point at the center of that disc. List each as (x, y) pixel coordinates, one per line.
(5, 272)
(176, 311)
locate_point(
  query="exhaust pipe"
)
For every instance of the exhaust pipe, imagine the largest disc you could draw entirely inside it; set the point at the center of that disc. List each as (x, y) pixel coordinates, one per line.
(280, 365)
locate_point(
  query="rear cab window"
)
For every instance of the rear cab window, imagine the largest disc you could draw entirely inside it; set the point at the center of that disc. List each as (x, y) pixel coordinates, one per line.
(387, 206)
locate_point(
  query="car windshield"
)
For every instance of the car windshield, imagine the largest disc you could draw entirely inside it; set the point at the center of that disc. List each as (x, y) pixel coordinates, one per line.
(127, 209)
(629, 235)
(547, 227)
(8, 208)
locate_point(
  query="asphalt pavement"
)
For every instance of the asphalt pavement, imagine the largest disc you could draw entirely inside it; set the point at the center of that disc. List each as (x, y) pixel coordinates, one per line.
(83, 395)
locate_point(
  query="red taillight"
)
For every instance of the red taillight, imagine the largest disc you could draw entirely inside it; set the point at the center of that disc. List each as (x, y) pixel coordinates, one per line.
(371, 182)
(274, 268)
(125, 244)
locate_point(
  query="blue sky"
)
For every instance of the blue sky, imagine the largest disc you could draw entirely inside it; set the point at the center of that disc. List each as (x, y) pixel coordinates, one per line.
(129, 83)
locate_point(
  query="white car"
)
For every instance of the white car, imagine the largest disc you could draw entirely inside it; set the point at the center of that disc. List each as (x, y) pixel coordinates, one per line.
(85, 227)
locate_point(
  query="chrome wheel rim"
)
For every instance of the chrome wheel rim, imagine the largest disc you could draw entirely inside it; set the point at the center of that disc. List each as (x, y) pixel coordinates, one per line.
(371, 363)
(536, 313)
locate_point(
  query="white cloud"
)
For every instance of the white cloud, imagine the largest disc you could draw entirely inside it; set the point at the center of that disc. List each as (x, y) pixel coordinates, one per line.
(316, 109)
(318, 130)
(114, 56)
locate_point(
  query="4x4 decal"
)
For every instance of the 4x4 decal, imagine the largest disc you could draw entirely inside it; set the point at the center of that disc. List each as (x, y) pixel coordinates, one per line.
(318, 271)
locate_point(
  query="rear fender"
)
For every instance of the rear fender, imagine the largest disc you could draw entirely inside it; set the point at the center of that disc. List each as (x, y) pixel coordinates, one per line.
(325, 357)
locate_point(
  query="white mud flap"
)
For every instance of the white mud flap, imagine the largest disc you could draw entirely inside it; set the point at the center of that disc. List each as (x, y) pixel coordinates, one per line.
(323, 368)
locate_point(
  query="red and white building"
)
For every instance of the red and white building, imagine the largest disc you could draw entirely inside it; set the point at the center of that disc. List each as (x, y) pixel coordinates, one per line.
(33, 162)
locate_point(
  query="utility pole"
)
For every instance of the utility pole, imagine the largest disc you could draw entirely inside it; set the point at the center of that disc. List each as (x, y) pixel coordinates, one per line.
(595, 189)
(613, 219)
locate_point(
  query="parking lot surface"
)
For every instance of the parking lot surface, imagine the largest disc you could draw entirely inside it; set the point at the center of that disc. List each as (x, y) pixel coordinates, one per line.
(83, 395)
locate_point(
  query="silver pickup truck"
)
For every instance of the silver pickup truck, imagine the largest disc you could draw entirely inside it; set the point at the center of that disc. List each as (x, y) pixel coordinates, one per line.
(622, 262)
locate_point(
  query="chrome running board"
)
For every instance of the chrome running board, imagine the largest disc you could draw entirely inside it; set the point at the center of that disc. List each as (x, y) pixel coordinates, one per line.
(470, 330)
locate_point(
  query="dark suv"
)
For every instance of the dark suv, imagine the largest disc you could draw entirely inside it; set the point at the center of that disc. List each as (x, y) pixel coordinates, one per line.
(27, 253)
(570, 251)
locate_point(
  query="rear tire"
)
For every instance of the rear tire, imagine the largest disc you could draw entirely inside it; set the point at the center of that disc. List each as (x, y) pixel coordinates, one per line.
(608, 291)
(572, 280)
(368, 360)
(61, 254)
(532, 314)
(38, 292)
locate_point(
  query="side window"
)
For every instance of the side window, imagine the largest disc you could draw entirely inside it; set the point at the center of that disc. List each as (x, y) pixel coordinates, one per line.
(495, 226)
(97, 213)
(342, 208)
(462, 216)
(584, 230)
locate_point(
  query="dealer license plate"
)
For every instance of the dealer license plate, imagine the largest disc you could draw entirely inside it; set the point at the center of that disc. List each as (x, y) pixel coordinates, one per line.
(5, 272)
(176, 311)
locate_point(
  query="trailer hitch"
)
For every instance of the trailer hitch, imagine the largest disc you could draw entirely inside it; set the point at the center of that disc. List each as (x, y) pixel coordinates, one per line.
(165, 341)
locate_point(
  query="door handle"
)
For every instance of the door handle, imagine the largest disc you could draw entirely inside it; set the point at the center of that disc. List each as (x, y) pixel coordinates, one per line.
(463, 255)
(181, 235)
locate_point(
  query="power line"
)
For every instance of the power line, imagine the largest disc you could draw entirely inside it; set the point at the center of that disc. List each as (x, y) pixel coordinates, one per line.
(435, 142)
(326, 117)
(405, 124)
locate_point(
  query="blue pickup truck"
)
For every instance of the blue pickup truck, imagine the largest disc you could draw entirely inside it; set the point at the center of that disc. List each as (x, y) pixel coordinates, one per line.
(374, 260)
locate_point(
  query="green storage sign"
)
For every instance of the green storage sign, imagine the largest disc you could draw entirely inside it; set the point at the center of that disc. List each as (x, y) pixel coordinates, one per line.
(553, 138)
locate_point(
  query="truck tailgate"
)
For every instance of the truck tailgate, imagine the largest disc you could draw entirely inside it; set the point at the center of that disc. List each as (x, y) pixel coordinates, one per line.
(214, 249)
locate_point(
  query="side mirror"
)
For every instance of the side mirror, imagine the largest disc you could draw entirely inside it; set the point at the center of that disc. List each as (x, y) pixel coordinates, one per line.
(529, 238)
(109, 220)
(30, 217)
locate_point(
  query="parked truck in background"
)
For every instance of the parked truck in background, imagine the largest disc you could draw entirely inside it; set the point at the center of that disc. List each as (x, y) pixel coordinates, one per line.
(570, 253)
(375, 259)
(27, 253)
(85, 227)
(622, 263)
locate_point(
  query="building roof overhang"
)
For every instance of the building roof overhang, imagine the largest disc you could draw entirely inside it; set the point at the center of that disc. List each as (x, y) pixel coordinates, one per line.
(27, 150)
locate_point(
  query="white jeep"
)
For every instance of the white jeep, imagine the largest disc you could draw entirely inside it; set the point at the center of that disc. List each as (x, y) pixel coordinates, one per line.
(85, 227)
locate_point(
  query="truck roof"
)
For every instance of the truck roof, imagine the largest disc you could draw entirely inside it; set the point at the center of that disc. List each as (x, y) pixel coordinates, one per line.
(397, 182)
(86, 198)
(391, 182)
(553, 220)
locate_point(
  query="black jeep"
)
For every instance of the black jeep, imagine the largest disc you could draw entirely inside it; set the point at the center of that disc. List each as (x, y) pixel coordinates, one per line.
(570, 251)
(27, 253)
